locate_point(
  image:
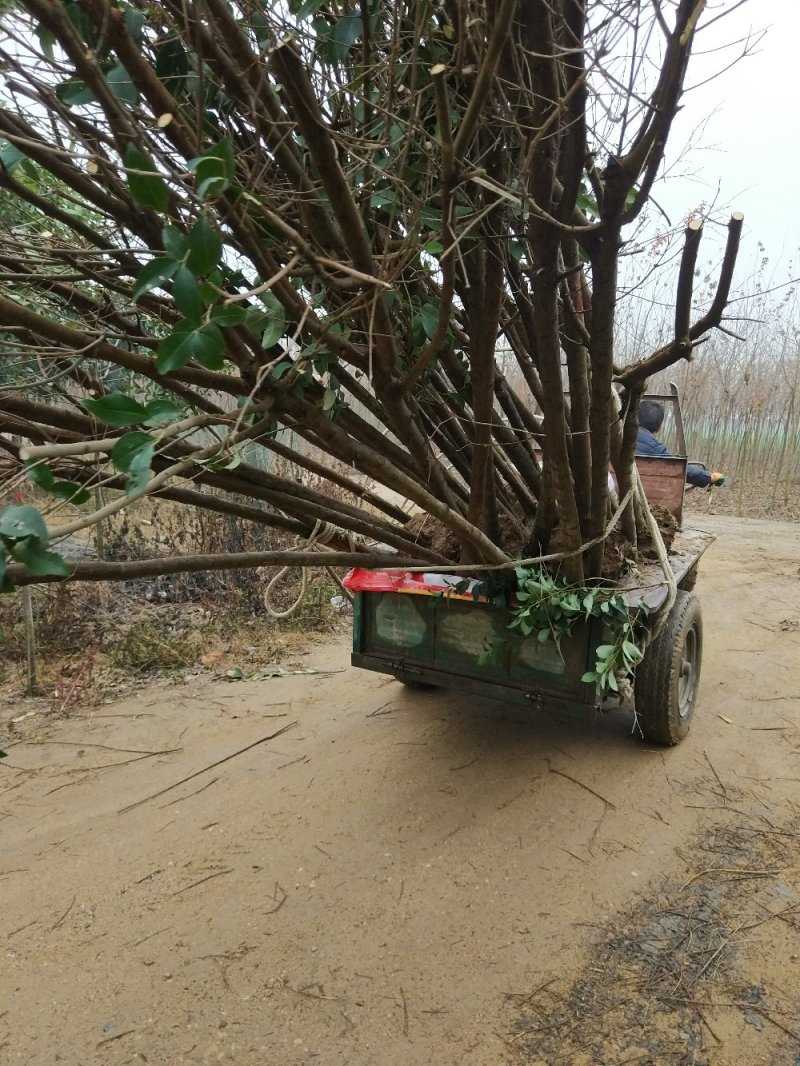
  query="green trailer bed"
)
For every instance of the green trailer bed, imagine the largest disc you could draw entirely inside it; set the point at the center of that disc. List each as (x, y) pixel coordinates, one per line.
(439, 640)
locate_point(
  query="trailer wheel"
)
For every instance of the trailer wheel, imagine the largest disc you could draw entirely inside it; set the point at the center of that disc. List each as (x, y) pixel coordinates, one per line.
(667, 678)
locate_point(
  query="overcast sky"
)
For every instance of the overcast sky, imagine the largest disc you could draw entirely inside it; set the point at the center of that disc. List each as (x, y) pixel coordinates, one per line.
(747, 154)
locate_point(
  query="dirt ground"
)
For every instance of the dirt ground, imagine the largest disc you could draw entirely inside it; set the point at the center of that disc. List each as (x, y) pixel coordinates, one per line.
(416, 878)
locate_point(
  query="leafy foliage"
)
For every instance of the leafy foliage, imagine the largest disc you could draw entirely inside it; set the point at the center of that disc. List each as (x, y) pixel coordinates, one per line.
(365, 239)
(24, 538)
(549, 607)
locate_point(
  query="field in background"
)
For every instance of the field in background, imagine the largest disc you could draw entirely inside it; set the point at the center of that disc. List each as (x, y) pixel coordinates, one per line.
(740, 394)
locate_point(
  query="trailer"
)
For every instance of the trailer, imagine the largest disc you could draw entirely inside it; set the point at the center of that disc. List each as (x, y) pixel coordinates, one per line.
(425, 630)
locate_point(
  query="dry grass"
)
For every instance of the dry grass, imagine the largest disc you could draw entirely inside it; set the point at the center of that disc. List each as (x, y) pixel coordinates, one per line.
(94, 640)
(652, 973)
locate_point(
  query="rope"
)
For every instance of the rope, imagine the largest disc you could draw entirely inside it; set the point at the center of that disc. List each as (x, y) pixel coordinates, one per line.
(663, 559)
(321, 534)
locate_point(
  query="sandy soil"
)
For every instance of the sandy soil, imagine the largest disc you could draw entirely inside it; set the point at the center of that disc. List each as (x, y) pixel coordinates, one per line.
(413, 878)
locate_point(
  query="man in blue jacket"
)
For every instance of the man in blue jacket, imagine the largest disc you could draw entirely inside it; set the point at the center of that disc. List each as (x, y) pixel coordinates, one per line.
(651, 417)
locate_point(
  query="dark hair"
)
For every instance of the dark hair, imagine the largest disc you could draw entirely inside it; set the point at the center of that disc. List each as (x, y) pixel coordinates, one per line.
(651, 415)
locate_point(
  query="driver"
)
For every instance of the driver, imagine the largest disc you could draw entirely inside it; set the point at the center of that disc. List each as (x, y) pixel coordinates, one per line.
(651, 418)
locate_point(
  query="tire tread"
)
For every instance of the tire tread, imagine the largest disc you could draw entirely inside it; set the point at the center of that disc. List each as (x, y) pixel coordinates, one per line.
(657, 676)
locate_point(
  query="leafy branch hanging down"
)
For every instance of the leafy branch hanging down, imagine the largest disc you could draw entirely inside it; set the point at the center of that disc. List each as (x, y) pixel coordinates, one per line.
(550, 607)
(374, 246)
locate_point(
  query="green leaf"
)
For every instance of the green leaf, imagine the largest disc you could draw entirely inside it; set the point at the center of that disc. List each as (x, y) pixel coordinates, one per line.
(274, 331)
(172, 65)
(134, 22)
(434, 247)
(46, 41)
(175, 242)
(516, 249)
(120, 83)
(329, 398)
(210, 347)
(186, 294)
(42, 476)
(429, 317)
(589, 677)
(133, 454)
(129, 446)
(116, 409)
(205, 247)
(152, 275)
(210, 288)
(345, 33)
(301, 9)
(229, 315)
(139, 473)
(74, 92)
(146, 184)
(70, 491)
(21, 522)
(39, 560)
(631, 651)
(215, 169)
(384, 198)
(87, 30)
(587, 203)
(282, 368)
(205, 344)
(39, 474)
(160, 412)
(605, 651)
(11, 157)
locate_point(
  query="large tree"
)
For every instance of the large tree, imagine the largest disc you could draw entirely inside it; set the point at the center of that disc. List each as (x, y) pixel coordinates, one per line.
(393, 229)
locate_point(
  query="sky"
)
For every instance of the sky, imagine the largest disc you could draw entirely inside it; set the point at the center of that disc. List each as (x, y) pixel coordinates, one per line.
(745, 126)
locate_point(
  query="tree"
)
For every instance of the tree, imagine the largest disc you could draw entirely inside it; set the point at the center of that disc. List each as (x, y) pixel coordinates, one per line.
(334, 218)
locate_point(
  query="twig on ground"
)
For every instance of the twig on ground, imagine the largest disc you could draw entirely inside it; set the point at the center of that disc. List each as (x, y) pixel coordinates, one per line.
(116, 1036)
(278, 902)
(733, 871)
(463, 766)
(211, 766)
(141, 940)
(109, 766)
(202, 881)
(706, 1023)
(405, 1012)
(189, 795)
(56, 924)
(580, 784)
(381, 711)
(716, 775)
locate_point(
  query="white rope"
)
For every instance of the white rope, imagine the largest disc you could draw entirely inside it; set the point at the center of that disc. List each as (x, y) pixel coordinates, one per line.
(321, 534)
(663, 559)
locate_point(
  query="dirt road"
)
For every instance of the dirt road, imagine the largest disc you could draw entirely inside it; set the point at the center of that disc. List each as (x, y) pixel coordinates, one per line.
(415, 878)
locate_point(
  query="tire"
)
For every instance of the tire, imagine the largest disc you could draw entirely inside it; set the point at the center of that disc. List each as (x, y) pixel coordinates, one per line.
(666, 680)
(689, 579)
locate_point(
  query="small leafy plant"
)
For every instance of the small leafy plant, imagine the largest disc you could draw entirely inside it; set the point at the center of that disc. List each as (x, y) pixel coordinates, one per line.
(549, 607)
(24, 539)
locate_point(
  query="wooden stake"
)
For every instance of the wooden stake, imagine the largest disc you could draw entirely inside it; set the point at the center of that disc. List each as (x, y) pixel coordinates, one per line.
(30, 638)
